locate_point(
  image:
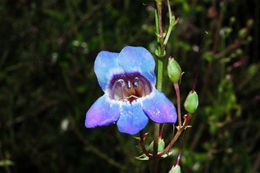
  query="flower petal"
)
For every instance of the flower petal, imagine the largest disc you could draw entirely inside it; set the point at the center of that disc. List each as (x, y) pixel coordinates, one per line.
(132, 118)
(137, 59)
(105, 67)
(102, 113)
(159, 108)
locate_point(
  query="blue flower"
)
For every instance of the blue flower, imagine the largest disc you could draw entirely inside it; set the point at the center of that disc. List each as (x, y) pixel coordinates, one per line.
(130, 97)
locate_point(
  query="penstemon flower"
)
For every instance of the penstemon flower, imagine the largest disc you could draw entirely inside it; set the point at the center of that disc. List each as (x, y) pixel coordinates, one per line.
(130, 97)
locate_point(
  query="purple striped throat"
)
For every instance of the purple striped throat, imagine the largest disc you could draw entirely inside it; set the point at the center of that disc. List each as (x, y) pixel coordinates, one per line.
(129, 87)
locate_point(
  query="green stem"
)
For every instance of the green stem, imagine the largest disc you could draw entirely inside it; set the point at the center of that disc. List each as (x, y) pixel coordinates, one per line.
(168, 33)
(157, 126)
(156, 25)
(160, 54)
(172, 23)
(159, 85)
(159, 74)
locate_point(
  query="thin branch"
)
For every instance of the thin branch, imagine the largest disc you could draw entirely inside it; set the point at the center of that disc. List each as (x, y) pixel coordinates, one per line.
(187, 118)
(226, 51)
(161, 131)
(159, 7)
(143, 146)
(174, 139)
(177, 91)
(172, 23)
(169, 10)
(161, 34)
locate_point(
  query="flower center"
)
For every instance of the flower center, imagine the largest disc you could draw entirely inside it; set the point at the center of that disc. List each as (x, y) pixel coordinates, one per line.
(129, 87)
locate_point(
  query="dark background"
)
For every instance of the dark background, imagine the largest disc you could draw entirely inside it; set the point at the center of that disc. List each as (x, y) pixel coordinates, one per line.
(47, 83)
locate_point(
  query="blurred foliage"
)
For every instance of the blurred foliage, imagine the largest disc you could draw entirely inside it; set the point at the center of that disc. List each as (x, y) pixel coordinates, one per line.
(47, 83)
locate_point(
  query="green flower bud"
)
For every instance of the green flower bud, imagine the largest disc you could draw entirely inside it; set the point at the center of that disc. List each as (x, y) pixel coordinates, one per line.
(192, 101)
(174, 70)
(175, 169)
(161, 145)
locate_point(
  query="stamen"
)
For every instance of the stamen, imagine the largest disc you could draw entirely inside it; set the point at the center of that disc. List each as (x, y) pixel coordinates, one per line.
(129, 84)
(136, 82)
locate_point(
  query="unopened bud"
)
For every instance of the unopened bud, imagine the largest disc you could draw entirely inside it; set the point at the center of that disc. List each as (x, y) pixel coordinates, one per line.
(174, 70)
(192, 101)
(175, 169)
(161, 145)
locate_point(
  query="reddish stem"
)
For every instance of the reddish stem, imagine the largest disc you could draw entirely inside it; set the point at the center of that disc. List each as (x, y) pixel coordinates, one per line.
(174, 139)
(187, 119)
(161, 131)
(178, 159)
(143, 146)
(177, 91)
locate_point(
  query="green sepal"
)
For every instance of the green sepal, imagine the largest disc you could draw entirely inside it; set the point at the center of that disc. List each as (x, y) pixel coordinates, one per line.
(175, 169)
(161, 145)
(142, 157)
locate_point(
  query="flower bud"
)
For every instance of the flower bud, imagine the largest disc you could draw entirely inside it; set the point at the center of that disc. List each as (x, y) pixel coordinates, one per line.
(175, 169)
(161, 145)
(174, 70)
(192, 101)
